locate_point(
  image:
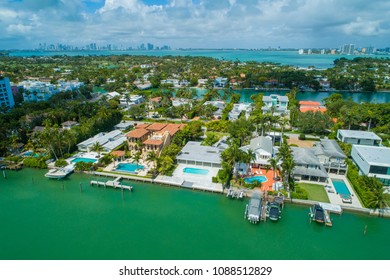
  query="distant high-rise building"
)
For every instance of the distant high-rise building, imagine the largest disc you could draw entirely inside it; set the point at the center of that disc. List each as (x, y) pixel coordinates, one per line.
(300, 51)
(332, 51)
(150, 46)
(348, 49)
(322, 51)
(309, 51)
(370, 50)
(6, 97)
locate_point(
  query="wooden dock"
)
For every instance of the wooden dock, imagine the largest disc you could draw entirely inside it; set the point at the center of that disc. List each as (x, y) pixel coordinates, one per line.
(113, 184)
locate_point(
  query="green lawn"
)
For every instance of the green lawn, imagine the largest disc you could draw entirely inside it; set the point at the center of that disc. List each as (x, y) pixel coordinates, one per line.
(315, 192)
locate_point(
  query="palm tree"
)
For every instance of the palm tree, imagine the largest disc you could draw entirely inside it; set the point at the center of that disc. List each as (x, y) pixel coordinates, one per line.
(97, 148)
(152, 157)
(273, 162)
(137, 157)
(251, 156)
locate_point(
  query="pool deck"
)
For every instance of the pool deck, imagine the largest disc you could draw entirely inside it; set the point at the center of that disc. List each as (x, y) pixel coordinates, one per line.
(266, 186)
(335, 198)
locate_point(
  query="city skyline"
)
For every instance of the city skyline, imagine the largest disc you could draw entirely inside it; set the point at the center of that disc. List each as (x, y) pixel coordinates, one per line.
(246, 24)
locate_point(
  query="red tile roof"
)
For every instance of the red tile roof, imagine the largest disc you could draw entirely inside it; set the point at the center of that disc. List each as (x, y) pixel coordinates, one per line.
(156, 126)
(312, 109)
(137, 133)
(142, 125)
(309, 103)
(118, 153)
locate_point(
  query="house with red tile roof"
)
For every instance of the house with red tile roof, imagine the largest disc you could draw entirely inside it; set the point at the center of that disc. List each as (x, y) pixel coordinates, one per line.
(136, 137)
(311, 106)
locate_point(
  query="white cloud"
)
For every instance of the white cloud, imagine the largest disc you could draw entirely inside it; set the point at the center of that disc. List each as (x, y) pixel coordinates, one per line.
(204, 23)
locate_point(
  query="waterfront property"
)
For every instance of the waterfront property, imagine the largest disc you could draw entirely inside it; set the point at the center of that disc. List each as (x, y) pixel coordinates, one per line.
(359, 137)
(194, 153)
(109, 141)
(373, 161)
(194, 177)
(331, 156)
(152, 137)
(307, 165)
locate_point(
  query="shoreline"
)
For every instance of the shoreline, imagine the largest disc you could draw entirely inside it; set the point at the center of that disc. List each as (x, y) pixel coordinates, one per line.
(385, 213)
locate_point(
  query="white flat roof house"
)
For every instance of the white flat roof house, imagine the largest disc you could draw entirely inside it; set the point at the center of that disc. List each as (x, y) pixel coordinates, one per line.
(359, 137)
(109, 141)
(373, 161)
(238, 108)
(196, 154)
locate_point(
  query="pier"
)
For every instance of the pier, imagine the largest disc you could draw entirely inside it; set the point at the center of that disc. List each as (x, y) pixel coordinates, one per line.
(112, 183)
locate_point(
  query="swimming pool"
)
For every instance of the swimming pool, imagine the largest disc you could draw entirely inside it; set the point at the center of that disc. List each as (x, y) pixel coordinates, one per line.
(341, 187)
(253, 179)
(78, 159)
(197, 171)
(129, 167)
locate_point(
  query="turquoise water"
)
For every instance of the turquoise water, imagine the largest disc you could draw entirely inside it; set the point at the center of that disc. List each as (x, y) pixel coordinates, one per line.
(341, 187)
(358, 97)
(260, 179)
(198, 171)
(51, 219)
(280, 57)
(83, 160)
(129, 167)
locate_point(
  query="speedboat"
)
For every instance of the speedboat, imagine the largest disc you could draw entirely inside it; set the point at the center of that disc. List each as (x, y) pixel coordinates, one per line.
(274, 211)
(317, 213)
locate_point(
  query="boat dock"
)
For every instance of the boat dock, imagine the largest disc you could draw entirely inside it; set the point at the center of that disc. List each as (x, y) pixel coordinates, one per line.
(112, 183)
(253, 211)
(332, 208)
(235, 194)
(59, 173)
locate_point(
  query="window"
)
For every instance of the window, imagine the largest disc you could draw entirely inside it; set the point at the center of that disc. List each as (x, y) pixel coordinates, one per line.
(379, 169)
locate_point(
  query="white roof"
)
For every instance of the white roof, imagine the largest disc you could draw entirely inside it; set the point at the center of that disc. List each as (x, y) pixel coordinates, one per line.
(374, 155)
(359, 134)
(194, 151)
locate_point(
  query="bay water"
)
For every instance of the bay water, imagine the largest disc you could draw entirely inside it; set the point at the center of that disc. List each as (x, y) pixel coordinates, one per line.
(48, 219)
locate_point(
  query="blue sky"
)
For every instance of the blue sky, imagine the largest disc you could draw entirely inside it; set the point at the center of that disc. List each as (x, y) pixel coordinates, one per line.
(195, 23)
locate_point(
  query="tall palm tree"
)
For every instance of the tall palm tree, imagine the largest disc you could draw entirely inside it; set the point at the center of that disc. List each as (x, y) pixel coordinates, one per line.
(137, 157)
(273, 162)
(97, 148)
(251, 156)
(152, 157)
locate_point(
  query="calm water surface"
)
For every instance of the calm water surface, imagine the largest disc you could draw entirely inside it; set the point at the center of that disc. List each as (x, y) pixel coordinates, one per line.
(282, 57)
(50, 219)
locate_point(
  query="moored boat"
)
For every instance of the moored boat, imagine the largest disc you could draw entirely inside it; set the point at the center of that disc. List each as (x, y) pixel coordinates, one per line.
(254, 208)
(317, 213)
(274, 211)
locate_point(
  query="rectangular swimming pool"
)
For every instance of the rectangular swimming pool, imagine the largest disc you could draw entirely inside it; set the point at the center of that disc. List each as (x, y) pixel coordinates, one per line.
(83, 160)
(129, 167)
(197, 171)
(341, 187)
